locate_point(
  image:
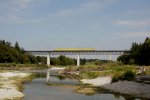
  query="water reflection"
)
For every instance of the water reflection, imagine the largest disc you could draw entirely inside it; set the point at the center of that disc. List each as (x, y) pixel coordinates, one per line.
(60, 77)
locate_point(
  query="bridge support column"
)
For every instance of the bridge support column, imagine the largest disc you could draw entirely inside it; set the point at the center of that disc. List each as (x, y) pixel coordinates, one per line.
(48, 75)
(110, 58)
(48, 59)
(78, 60)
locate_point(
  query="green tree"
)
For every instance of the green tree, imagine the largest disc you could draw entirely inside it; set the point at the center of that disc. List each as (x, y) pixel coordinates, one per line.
(140, 54)
(25, 59)
(10, 54)
(17, 46)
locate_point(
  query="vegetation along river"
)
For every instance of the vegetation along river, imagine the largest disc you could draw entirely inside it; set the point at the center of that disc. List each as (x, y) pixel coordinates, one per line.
(37, 89)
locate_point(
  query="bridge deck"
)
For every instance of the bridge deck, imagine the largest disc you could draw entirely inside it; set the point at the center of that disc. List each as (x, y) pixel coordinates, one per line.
(94, 52)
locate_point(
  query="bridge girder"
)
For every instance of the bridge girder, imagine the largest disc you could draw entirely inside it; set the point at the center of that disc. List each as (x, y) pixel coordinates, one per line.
(102, 52)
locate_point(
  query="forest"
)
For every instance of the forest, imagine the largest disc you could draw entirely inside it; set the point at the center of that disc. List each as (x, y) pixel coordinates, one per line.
(14, 54)
(139, 54)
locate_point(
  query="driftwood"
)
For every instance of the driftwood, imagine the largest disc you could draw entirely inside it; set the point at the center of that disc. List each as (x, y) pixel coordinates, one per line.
(141, 70)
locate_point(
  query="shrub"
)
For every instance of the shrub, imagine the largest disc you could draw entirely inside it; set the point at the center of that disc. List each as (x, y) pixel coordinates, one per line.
(128, 75)
(116, 77)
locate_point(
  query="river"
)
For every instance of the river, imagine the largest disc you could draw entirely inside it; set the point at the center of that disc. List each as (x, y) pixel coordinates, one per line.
(37, 89)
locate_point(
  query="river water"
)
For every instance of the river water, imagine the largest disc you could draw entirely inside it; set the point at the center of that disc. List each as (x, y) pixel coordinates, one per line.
(39, 90)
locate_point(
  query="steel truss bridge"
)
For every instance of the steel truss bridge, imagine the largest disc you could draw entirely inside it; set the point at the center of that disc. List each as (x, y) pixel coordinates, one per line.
(78, 53)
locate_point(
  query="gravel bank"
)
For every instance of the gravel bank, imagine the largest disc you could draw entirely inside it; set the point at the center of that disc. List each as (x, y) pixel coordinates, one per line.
(7, 89)
(130, 87)
(123, 87)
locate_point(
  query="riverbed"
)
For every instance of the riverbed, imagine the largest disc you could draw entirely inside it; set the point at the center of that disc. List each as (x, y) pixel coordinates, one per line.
(39, 90)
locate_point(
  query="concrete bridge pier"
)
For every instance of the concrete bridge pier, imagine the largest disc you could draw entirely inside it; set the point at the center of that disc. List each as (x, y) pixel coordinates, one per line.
(48, 59)
(48, 75)
(78, 60)
(110, 58)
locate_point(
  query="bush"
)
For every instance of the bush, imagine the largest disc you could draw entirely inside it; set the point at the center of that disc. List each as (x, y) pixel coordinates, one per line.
(128, 75)
(115, 78)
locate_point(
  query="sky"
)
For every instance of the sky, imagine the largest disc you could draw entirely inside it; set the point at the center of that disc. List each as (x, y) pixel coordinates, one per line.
(50, 24)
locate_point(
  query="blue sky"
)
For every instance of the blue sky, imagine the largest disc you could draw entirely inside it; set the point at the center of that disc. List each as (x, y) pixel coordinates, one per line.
(49, 24)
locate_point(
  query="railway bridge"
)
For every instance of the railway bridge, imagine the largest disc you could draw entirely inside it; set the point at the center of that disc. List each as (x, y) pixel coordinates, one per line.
(77, 52)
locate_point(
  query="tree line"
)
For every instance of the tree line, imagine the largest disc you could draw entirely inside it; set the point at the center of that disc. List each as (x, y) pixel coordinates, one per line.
(140, 54)
(64, 61)
(14, 54)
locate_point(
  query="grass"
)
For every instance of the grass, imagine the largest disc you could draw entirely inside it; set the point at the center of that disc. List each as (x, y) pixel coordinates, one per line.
(19, 81)
(15, 99)
(1, 84)
(63, 85)
(110, 69)
(85, 90)
(13, 66)
(147, 72)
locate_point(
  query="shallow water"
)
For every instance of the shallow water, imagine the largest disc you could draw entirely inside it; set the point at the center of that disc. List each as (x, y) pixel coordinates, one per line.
(39, 90)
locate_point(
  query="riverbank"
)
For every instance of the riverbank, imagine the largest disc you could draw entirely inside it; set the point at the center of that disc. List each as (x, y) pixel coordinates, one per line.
(137, 89)
(11, 84)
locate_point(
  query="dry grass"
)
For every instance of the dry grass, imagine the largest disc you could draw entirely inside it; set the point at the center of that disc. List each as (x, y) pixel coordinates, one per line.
(19, 81)
(85, 90)
(15, 99)
(147, 70)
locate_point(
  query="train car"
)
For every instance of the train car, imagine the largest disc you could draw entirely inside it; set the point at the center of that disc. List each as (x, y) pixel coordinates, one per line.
(74, 49)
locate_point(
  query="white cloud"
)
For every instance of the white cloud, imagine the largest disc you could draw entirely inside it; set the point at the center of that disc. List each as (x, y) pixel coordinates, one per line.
(134, 23)
(90, 6)
(14, 7)
(10, 9)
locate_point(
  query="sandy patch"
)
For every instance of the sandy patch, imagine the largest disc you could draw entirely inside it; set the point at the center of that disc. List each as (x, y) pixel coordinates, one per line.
(98, 81)
(57, 68)
(13, 74)
(10, 93)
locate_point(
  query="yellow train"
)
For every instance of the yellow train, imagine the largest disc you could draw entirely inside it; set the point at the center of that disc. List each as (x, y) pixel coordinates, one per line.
(74, 49)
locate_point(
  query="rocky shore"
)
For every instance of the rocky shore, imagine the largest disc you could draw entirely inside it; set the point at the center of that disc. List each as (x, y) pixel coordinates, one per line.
(137, 89)
(131, 88)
